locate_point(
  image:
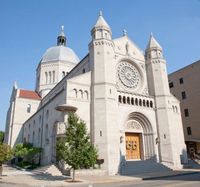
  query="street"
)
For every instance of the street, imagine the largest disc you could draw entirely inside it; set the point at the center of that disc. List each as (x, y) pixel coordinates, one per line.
(191, 180)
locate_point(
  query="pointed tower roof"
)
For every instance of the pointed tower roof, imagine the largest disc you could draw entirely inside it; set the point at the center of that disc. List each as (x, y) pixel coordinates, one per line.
(101, 22)
(153, 44)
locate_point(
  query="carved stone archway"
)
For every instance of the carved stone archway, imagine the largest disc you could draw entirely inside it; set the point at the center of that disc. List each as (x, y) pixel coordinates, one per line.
(139, 124)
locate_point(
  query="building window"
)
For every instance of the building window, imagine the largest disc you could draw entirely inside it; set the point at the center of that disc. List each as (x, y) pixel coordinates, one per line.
(28, 108)
(183, 94)
(186, 112)
(53, 76)
(84, 70)
(181, 81)
(189, 131)
(63, 74)
(171, 84)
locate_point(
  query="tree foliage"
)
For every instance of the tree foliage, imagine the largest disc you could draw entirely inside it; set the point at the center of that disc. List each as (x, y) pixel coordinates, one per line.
(6, 153)
(75, 148)
(26, 151)
(1, 136)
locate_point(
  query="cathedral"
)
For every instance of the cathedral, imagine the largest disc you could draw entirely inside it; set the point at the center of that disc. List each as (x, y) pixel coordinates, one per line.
(121, 93)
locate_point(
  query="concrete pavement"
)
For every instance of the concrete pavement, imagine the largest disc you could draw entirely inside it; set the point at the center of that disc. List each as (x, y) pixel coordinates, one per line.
(15, 176)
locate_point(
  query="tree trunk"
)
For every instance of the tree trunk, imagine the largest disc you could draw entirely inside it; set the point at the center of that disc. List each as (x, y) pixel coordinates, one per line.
(1, 169)
(73, 176)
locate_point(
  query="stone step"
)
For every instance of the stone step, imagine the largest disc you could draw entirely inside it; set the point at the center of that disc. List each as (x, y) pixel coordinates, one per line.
(48, 170)
(142, 166)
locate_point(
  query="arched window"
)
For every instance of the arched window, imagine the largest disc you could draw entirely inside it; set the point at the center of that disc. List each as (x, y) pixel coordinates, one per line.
(151, 104)
(47, 114)
(144, 103)
(50, 77)
(63, 74)
(46, 77)
(40, 119)
(53, 76)
(132, 101)
(28, 138)
(124, 99)
(28, 108)
(136, 101)
(39, 136)
(75, 93)
(140, 102)
(47, 133)
(128, 100)
(33, 138)
(86, 94)
(147, 103)
(119, 98)
(81, 93)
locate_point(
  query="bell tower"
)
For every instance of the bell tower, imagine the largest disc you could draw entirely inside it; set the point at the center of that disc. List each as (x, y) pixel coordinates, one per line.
(104, 95)
(171, 148)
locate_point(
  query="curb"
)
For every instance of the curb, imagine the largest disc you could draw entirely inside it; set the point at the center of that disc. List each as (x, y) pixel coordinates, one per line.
(172, 175)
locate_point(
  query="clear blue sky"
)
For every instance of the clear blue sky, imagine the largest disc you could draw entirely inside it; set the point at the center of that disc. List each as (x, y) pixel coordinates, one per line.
(29, 27)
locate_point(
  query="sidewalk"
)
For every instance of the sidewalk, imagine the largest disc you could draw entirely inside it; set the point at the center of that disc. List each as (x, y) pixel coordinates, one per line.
(14, 176)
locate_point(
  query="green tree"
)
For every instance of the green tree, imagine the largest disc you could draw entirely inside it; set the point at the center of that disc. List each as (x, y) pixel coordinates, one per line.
(6, 154)
(27, 152)
(1, 136)
(76, 149)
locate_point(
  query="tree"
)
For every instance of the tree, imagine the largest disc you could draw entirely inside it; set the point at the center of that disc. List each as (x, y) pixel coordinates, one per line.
(6, 154)
(1, 136)
(27, 152)
(75, 148)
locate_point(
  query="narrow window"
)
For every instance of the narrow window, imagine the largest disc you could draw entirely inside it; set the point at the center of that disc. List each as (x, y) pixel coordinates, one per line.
(83, 70)
(140, 102)
(47, 114)
(181, 80)
(189, 131)
(132, 101)
(63, 74)
(186, 112)
(128, 100)
(46, 133)
(53, 76)
(119, 98)
(28, 108)
(50, 77)
(151, 104)
(171, 85)
(124, 99)
(46, 77)
(183, 94)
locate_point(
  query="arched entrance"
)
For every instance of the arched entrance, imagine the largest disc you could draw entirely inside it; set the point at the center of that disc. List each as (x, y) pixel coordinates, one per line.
(139, 141)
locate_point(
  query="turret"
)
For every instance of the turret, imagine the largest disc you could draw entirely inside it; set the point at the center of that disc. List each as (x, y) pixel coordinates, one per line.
(156, 68)
(101, 29)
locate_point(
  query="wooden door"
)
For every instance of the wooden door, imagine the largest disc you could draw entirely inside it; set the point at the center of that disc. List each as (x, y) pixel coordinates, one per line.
(133, 149)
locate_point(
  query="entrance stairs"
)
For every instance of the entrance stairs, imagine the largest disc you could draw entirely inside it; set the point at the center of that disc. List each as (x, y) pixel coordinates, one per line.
(47, 170)
(142, 166)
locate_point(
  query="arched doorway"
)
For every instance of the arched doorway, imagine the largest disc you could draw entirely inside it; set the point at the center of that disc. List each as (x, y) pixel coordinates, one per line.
(139, 140)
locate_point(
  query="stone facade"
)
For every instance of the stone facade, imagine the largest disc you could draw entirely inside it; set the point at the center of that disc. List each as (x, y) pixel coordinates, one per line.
(121, 94)
(184, 85)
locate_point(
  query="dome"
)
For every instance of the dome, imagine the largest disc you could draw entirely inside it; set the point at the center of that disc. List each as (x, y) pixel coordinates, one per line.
(60, 53)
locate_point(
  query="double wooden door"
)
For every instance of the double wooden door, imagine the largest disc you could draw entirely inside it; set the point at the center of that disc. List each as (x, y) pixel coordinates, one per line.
(133, 146)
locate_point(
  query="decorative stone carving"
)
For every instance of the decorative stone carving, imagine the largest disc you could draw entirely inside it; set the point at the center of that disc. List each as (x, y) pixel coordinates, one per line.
(129, 75)
(133, 126)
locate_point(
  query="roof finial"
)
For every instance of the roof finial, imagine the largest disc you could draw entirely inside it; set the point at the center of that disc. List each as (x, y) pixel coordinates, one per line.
(62, 31)
(151, 34)
(100, 13)
(124, 32)
(62, 28)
